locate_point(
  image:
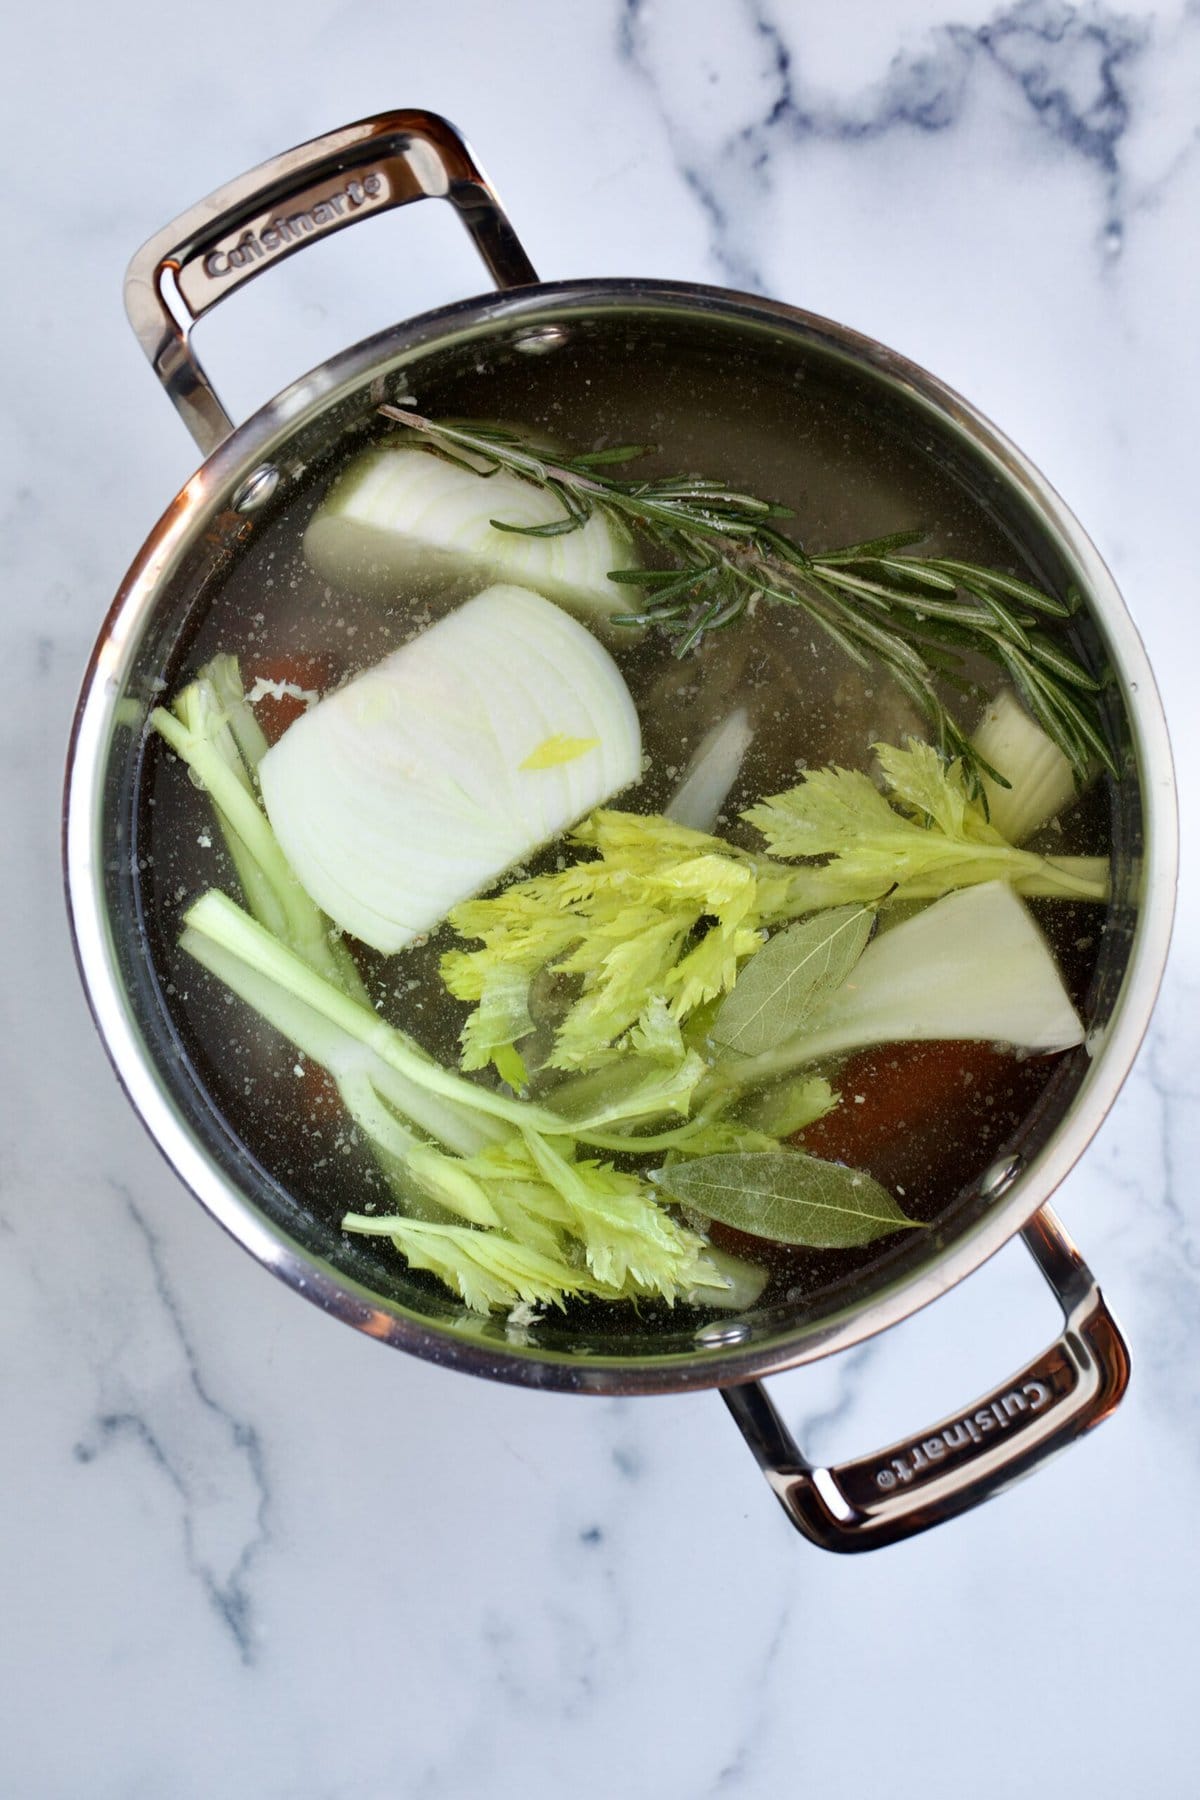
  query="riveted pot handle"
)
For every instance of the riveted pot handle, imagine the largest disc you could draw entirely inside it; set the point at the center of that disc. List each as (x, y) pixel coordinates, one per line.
(275, 210)
(964, 1459)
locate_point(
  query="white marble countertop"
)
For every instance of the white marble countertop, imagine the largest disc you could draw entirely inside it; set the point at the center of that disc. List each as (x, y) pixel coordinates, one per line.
(248, 1552)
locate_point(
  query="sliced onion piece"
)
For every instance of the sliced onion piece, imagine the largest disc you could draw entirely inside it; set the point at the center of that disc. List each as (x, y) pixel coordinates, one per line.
(973, 965)
(1041, 780)
(426, 777)
(710, 775)
(398, 517)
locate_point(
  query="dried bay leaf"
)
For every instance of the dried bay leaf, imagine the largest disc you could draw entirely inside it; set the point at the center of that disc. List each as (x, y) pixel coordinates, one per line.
(784, 987)
(788, 1197)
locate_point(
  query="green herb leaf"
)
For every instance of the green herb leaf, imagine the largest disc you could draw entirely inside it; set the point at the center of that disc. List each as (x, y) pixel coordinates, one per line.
(789, 1197)
(620, 453)
(787, 1106)
(866, 597)
(643, 577)
(922, 838)
(782, 989)
(486, 1268)
(555, 528)
(654, 924)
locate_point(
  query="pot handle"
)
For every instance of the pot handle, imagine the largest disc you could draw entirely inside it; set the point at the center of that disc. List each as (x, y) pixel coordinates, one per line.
(264, 216)
(966, 1458)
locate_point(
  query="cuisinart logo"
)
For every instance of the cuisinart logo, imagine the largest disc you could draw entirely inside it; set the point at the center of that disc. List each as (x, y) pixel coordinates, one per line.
(291, 227)
(919, 1459)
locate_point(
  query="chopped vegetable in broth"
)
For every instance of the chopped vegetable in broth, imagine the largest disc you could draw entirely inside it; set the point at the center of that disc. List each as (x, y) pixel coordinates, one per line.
(686, 942)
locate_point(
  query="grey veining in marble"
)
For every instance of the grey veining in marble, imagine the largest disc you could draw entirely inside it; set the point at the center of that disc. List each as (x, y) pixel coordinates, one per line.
(1068, 69)
(248, 1552)
(211, 1460)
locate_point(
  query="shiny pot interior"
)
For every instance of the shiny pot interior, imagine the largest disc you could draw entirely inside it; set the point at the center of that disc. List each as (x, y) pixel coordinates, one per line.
(715, 366)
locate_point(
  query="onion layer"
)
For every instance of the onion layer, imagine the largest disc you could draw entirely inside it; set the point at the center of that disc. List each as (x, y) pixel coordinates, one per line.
(421, 781)
(398, 517)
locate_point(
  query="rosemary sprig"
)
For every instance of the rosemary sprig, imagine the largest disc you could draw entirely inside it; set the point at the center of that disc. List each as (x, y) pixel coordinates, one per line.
(724, 554)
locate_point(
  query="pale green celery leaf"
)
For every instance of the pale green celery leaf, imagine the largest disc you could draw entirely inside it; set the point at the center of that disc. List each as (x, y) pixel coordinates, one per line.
(788, 1197)
(656, 1091)
(933, 839)
(486, 1269)
(829, 810)
(921, 782)
(716, 883)
(558, 1207)
(510, 1162)
(629, 1240)
(526, 926)
(644, 839)
(623, 920)
(772, 894)
(447, 1180)
(511, 1067)
(788, 1106)
(782, 989)
(657, 1033)
(499, 1021)
(617, 986)
(529, 1211)
(715, 1136)
(525, 1218)
(464, 973)
(710, 967)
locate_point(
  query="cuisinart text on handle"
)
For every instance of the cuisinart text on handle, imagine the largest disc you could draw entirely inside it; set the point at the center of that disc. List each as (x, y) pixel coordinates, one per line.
(290, 228)
(919, 1458)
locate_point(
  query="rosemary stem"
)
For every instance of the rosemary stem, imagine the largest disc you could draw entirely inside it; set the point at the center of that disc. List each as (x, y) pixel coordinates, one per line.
(917, 616)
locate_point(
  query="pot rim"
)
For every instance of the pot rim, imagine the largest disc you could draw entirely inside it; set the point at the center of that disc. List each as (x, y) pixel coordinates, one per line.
(722, 1361)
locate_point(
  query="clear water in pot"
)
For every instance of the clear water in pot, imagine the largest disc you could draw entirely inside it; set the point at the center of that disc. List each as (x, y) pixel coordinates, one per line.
(770, 416)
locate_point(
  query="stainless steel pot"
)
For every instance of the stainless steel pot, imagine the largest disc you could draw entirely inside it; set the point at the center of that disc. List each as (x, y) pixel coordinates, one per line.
(179, 275)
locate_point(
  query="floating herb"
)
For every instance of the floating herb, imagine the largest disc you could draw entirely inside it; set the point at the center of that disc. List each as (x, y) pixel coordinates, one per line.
(789, 1197)
(782, 989)
(724, 551)
(654, 926)
(922, 837)
(653, 920)
(787, 1106)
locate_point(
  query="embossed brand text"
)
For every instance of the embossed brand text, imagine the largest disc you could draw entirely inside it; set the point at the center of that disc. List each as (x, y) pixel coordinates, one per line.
(920, 1458)
(291, 228)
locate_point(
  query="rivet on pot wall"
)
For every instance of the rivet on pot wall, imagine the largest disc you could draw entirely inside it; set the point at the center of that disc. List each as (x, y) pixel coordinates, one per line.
(733, 1332)
(540, 338)
(257, 489)
(1000, 1177)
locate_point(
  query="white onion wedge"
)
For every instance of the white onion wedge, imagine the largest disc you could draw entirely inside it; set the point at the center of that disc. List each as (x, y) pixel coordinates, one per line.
(426, 777)
(1042, 782)
(711, 773)
(399, 517)
(972, 966)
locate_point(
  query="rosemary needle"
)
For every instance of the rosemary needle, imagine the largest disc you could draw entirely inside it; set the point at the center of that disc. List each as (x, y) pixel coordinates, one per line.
(723, 553)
